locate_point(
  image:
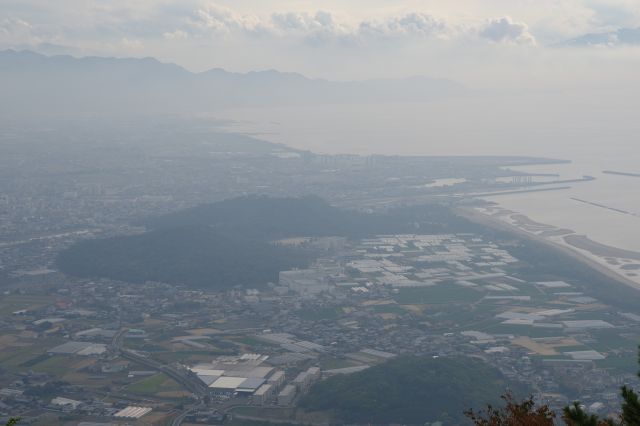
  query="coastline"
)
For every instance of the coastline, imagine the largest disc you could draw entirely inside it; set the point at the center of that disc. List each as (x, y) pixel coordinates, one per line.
(555, 242)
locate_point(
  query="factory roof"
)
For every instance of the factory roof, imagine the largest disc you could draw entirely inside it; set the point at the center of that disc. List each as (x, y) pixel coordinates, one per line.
(207, 372)
(227, 382)
(253, 372)
(262, 390)
(251, 384)
(208, 380)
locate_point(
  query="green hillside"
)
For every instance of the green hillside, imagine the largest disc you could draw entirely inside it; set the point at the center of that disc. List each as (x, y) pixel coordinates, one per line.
(221, 245)
(409, 390)
(196, 256)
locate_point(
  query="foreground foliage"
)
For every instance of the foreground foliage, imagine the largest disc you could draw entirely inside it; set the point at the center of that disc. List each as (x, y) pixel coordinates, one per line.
(524, 413)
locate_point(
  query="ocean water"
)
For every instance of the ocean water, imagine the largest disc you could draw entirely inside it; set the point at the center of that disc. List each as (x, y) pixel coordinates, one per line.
(595, 134)
(562, 209)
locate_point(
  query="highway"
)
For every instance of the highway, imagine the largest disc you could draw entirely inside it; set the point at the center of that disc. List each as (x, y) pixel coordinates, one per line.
(192, 384)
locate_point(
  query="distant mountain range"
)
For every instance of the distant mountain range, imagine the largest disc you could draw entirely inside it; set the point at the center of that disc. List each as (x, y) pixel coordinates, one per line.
(34, 83)
(619, 37)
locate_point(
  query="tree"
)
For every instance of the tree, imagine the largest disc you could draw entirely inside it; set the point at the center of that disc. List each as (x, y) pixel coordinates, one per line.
(575, 415)
(13, 421)
(630, 407)
(524, 413)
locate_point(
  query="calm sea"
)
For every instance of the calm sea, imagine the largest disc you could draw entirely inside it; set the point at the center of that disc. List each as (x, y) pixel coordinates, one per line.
(595, 134)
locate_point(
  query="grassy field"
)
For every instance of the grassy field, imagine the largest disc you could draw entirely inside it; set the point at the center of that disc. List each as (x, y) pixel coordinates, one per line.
(58, 365)
(607, 340)
(330, 363)
(620, 363)
(16, 302)
(16, 357)
(252, 341)
(154, 384)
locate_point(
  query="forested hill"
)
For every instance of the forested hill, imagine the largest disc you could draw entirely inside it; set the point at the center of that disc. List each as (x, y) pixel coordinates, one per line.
(409, 390)
(265, 218)
(194, 255)
(221, 245)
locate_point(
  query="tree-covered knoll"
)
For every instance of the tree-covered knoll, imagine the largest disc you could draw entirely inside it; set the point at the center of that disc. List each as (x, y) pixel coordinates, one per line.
(408, 390)
(266, 218)
(197, 256)
(229, 243)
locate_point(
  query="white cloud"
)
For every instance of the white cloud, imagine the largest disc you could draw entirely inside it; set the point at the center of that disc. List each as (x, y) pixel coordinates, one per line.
(223, 21)
(320, 27)
(100, 23)
(131, 45)
(366, 37)
(413, 24)
(505, 30)
(323, 27)
(614, 14)
(16, 30)
(176, 35)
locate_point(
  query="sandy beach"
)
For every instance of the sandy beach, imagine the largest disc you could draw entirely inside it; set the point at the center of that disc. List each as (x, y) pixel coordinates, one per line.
(616, 264)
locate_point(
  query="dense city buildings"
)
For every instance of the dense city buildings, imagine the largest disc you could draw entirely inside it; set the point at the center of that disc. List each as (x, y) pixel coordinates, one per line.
(107, 351)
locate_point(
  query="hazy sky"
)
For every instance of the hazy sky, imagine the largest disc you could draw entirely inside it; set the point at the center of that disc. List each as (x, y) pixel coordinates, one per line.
(531, 92)
(477, 41)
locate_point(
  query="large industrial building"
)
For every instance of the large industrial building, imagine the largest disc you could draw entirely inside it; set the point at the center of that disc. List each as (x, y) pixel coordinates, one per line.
(246, 376)
(243, 375)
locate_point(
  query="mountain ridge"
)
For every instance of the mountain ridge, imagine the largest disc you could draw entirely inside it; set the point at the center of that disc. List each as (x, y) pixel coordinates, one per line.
(36, 83)
(617, 37)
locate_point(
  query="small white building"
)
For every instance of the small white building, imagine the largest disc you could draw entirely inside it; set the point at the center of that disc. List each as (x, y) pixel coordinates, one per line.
(65, 403)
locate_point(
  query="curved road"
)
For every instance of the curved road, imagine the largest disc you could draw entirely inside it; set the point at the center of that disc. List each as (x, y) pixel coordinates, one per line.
(192, 384)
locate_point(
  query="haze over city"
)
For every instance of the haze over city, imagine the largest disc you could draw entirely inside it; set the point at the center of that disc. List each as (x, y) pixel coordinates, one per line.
(300, 212)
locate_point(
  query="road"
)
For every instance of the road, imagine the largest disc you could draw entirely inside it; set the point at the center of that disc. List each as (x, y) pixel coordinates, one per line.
(192, 384)
(178, 420)
(118, 339)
